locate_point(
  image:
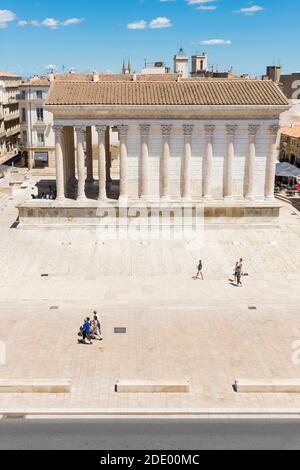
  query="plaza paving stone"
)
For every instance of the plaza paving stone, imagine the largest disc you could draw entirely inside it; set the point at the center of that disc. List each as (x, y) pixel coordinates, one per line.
(177, 328)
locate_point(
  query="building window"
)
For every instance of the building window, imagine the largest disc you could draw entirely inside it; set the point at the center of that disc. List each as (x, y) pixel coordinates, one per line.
(41, 138)
(39, 95)
(40, 114)
(23, 114)
(40, 159)
(24, 137)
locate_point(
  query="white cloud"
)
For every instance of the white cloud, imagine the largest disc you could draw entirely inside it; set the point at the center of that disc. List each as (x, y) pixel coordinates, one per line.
(138, 25)
(216, 42)
(6, 16)
(250, 10)
(160, 22)
(51, 23)
(157, 23)
(72, 21)
(199, 2)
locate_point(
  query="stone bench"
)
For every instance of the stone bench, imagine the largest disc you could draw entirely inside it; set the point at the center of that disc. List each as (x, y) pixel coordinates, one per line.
(149, 386)
(267, 386)
(35, 386)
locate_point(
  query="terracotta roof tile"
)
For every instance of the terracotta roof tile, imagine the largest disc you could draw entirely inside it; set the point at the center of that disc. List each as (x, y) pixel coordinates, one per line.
(291, 131)
(202, 92)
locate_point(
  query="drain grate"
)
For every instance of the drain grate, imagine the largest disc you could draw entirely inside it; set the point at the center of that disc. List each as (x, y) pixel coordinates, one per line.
(44, 275)
(54, 307)
(252, 307)
(119, 331)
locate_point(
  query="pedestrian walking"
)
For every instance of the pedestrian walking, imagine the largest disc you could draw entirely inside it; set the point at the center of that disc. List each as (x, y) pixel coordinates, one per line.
(238, 275)
(87, 331)
(200, 270)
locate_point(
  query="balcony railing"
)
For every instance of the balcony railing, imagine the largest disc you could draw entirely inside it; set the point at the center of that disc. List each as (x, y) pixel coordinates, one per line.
(11, 116)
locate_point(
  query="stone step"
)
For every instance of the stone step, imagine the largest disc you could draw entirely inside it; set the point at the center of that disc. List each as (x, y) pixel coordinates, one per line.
(149, 386)
(35, 386)
(267, 386)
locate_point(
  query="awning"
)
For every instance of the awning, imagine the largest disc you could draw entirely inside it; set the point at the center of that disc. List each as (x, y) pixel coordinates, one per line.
(286, 169)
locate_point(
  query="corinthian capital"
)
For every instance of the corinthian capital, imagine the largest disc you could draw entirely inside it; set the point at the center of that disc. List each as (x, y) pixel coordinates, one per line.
(80, 131)
(188, 129)
(58, 130)
(123, 129)
(209, 130)
(101, 130)
(231, 129)
(273, 130)
(253, 129)
(166, 129)
(145, 129)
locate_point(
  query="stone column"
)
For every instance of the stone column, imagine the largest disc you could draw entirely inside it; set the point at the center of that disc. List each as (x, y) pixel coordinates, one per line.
(59, 157)
(166, 132)
(208, 161)
(80, 132)
(229, 162)
(250, 162)
(187, 190)
(271, 163)
(101, 130)
(123, 131)
(144, 130)
(30, 157)
(89, 154)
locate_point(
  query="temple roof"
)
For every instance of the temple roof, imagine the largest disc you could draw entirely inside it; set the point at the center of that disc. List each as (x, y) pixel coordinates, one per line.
(224, 92)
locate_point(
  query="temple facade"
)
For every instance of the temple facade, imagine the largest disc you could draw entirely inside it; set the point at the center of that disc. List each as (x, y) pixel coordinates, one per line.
(200, 141)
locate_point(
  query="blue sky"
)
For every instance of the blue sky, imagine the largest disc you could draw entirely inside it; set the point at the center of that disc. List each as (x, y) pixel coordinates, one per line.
(99, 33)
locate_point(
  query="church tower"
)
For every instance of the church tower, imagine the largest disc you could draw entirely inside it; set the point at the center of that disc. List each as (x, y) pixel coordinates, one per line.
(181, 64)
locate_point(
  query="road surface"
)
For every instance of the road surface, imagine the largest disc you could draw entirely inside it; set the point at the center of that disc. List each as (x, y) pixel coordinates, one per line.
(152, 434)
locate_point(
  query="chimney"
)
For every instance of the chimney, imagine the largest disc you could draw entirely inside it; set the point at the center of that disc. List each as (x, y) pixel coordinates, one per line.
(51, 77)
(95, 77)
(133, 77)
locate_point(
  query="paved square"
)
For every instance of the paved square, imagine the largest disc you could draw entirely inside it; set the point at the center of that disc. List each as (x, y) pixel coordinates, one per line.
(177, 328)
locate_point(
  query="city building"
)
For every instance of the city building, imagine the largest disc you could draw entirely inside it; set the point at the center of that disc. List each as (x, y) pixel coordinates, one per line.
(9, 115)
(290, 85)
(202, 141)
(290, 145)
(157, 68)
(199, 65)
(181, 64)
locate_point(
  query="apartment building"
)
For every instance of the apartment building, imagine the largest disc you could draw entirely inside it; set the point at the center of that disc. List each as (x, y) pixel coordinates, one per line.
(9, 115)
(37, 138)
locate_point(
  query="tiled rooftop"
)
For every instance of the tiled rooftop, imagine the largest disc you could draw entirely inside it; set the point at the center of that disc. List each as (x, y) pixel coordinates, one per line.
(191, 92)
(291, 131)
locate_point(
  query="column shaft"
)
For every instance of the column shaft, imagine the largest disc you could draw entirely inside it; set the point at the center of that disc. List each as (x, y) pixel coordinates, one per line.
(123, 130)
(250, 163)
(229, 163)
(89, 154)
(208, 161)
(102, 161)
(80, 163)
(187, 190)
(271, 163)
(144, 129)
(59, 157)
(166, 132)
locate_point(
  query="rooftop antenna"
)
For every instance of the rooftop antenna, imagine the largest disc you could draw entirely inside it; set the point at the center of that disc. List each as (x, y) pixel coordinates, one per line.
(145, 61)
